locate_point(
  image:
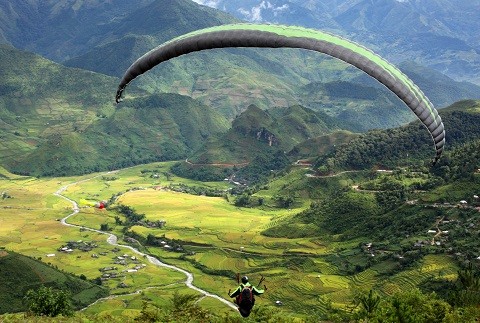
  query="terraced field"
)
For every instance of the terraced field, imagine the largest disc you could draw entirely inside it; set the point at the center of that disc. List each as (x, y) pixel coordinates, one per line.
(307, 274)
(433, 266)
(366, 279)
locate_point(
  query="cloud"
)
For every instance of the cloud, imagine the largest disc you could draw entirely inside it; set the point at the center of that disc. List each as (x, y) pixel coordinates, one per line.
(278, 10)
(255, 13)
(209, 3)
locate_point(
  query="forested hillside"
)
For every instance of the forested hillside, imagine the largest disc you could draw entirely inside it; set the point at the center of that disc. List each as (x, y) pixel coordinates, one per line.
(60, 121)
(404, 145)
(20, 274)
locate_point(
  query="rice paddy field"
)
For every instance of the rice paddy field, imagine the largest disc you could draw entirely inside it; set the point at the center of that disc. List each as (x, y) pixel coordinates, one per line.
(218, 239)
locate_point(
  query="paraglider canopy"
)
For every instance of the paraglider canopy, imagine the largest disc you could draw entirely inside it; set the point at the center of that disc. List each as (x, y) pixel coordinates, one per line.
(100, 205)
(276, 36)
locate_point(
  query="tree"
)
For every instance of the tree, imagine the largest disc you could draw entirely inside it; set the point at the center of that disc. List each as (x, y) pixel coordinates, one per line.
(392, 195)
(151, 240)
(284, 201)
(410, 306)
(104, 227)
(242, 200)
(183, 308)
(118, 220)
(469, 292)
(149, 313)
(49, 302)
(369, 303)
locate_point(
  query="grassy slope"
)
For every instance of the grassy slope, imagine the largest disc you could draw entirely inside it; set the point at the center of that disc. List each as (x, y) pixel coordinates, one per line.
(155, 128)
(58, 120)
(20, 274)
(40, 99)
(211, 221)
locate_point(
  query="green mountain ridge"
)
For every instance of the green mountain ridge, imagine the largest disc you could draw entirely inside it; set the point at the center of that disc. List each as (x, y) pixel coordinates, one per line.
(227, 80)
(157, 128)
(40, 100)
(59, 120)
(407, 144)
(142, 29)
(61, 29)
(258, 132)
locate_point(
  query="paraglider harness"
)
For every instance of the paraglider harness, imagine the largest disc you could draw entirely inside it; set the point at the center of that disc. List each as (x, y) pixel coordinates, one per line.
(245, 299)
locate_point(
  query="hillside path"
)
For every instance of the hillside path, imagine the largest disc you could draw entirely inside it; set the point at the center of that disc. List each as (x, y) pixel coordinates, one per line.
(218, 164)
(112, 239)
(332, 175)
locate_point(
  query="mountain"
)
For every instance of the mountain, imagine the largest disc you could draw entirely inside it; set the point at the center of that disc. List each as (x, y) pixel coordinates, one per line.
(438, 33)
(442, 34)
(361, 107)
(229, 80)
(156, 128)
(40, 100)
(58, 120)
(309, 14)
(143, 29)
(440, 88)
(61, 29)
(321, 145)
(408, 144)
(62, 116)
(366, 104)
(257, 132)
(106, 37)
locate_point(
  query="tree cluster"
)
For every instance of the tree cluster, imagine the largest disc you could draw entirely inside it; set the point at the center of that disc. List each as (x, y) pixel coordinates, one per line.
(47, 301)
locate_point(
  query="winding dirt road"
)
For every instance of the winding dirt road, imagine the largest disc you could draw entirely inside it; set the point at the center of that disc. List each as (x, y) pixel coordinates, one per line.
(112, 239)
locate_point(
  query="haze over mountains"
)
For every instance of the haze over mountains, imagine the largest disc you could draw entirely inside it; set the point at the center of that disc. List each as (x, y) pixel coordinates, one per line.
(59, 117)
(442, 34)
(107, 37)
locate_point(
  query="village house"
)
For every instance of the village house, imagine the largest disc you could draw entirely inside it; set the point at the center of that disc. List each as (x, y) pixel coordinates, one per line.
(108, 268)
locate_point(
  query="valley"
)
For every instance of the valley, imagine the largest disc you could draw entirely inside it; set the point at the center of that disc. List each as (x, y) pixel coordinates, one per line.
(213, 239)
(279, 163)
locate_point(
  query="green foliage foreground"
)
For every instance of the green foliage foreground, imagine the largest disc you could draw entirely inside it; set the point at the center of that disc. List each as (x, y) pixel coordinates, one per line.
(20, 274)
(47, 301)
(411, 306)
(407, 306)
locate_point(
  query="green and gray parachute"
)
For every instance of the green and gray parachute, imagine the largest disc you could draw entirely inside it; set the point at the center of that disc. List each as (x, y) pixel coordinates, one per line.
(275, 36)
